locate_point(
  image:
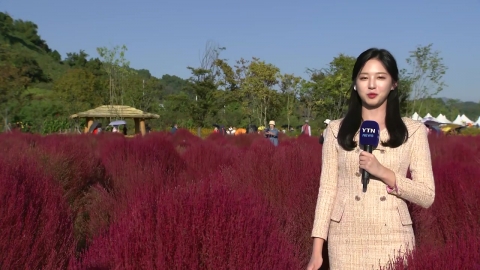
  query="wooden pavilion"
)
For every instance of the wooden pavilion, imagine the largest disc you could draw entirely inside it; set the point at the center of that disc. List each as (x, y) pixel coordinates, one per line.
(116, 111)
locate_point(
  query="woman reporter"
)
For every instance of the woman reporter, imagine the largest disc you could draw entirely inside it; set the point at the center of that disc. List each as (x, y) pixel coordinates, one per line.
(365, 230)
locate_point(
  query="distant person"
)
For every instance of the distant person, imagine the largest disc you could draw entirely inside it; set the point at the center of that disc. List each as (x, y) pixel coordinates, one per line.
(125, 130)
(306, 129)
(367, 229)
(98, 129)
(251, 128)
(272, 133)
(148, 128)
(174, 129)
(321, 139)
(240, 131)
(231, 131)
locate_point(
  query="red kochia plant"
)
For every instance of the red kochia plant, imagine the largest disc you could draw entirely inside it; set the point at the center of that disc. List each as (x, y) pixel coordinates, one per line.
(244, 141)
(448, 234)
(462, 254)
(182, 139)
(74, 163)
(202, 226)
(208, 157)
(130, 163)
(35, 222)
(455, 210)
(288, 176)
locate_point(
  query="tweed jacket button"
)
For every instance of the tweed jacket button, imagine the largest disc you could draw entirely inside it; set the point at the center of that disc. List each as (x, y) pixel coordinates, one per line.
(357, 174)
(357, 198)
(382, 198)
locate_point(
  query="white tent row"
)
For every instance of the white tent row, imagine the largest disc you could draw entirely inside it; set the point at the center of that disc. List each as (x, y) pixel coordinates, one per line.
(461, 120)
(477, 122)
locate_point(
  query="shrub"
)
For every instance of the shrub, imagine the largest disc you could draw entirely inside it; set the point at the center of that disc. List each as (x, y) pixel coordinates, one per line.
(73, 161)
(461, 254)
(132, 163)
(171, 200)
(203, 226)
(36, 224)
(288, 176)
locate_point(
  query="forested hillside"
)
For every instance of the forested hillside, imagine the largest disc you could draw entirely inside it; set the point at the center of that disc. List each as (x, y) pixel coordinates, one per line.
(39, 88)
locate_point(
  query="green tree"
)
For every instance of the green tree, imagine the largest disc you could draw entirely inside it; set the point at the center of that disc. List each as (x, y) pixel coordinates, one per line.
(307, 98)
(332, 86)
(404, 89)
(77, 60)
(117, 68)
(425, 75)
(202, 84)
(6, 24)
(290, 86)
(76, 89)
(259, 82)
(142, 93)
(14, 80)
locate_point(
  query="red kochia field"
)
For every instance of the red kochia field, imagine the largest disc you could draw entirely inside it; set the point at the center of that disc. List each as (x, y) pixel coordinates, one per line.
(179, 202)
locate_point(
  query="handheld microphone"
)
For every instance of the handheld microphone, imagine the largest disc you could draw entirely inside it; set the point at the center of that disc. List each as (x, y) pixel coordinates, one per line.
(369, 138)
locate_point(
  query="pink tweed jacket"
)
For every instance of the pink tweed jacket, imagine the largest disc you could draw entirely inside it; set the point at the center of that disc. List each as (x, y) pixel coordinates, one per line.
(365, 230)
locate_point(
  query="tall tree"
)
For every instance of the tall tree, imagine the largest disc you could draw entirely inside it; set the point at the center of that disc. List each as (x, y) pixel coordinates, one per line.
(332, 86)
(290, 86)
(209, 58)
(404, 91)
(307, 98)
(6, 24)
(77, 90)
(78, 60)
(206, 103)
(14, 80)
(425, 75)
(259, 83)
(142, 93)
(117, 68)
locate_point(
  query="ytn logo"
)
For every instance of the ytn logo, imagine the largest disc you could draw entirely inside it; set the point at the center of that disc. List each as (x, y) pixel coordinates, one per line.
(368, 130)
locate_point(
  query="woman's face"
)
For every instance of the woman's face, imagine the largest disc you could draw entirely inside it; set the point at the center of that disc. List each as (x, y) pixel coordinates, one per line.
(374, 83)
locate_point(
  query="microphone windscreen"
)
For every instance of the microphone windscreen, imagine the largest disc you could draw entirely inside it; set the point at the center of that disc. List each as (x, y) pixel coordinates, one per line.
(369, 133)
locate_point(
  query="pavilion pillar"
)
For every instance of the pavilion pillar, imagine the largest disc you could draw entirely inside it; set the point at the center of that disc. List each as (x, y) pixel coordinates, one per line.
(137, 125)
(89, 123)
(142, 127)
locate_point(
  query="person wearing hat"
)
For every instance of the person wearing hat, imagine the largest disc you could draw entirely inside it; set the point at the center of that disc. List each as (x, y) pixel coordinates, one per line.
(327, 121)
(322, 136)
(306, 129)
(272, 133)
(231, 131)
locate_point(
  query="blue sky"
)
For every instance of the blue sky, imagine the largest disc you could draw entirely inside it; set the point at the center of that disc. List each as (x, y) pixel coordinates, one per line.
(167, 36)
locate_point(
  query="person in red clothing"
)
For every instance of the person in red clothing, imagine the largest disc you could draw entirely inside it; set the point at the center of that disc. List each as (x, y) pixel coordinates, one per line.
(306, 129)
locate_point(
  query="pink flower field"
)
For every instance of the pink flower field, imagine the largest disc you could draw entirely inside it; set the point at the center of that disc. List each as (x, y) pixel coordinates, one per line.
(168, 201)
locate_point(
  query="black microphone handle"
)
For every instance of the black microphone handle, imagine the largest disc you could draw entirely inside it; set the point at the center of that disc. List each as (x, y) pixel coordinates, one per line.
(365, 174)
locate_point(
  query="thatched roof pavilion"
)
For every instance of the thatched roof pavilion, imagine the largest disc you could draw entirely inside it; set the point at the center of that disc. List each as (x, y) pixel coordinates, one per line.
(117, 111)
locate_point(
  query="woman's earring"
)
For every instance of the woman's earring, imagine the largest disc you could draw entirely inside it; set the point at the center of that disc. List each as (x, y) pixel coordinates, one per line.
(355, 87)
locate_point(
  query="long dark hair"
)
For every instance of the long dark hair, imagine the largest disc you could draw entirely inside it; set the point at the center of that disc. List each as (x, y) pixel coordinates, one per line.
(393, 119)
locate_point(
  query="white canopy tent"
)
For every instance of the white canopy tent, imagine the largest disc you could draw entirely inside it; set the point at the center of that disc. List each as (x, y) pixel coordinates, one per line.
(416, 117)
(428, 115)
(458, 121)
(465, 119)
(442, 119)
(477, 122)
